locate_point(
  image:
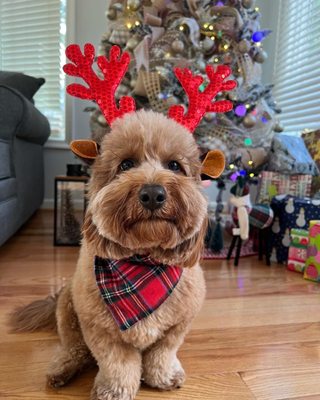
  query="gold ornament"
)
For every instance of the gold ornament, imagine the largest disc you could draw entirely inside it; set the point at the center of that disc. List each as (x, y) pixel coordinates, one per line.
(171, 101)
(177, 46)
(278, 127)
(249, 121)
(244, 46)
(260, 57)
(248, 3)
(132, 43)
(133, 83)
(133, 5)
(227, 58)
(111, 14)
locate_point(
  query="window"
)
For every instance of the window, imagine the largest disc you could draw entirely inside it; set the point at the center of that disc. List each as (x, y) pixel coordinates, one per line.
(33, 37)
(297, 65)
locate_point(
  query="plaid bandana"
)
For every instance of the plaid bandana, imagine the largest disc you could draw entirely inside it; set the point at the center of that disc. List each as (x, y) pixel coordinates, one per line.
(134, 287)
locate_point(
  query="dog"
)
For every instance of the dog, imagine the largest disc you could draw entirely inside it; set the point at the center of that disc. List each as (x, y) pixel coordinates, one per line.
(138, 284)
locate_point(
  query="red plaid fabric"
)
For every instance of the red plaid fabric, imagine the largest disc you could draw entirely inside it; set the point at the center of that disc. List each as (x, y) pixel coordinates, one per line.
(134, 287)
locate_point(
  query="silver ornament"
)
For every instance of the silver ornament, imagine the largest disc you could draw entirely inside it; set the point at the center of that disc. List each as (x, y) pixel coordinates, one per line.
(249, 121)
(244, 46)
(117, 6)
(209, 116)
(260, 57)
(208, 44)
(232, 96)
(102, 120)
(248, 3)
(201, 65)
(177, 46)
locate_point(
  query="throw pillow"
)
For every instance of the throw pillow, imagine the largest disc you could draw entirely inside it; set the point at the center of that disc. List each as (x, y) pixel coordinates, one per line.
(25, 84)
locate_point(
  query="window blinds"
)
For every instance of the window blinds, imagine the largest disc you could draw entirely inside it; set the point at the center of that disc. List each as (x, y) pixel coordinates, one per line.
(32, 41)
(297, 65)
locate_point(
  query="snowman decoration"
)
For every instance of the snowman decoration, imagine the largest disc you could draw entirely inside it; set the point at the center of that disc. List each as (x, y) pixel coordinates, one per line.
(276, 225)
(290, 206)
(286, 238)
(301, 220)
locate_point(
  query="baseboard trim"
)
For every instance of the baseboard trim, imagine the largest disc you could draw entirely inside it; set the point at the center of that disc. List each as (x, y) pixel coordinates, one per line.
(48, 204)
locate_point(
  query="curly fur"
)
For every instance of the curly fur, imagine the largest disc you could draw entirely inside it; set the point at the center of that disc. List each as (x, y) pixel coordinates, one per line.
(116, 226)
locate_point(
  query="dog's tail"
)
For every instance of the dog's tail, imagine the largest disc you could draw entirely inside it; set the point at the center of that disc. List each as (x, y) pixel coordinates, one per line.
(38, 315)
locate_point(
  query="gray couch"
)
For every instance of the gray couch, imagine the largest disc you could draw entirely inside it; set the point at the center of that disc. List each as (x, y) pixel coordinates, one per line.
(23, 132)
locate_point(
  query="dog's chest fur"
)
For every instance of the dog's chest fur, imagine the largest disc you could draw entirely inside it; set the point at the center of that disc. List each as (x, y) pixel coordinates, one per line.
(181, 306)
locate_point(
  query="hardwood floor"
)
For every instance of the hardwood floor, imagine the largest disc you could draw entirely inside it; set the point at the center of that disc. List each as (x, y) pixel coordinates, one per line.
(257, 336)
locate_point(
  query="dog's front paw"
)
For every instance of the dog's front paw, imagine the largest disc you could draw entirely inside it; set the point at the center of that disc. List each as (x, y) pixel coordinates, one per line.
(165, 377)
(105, 393)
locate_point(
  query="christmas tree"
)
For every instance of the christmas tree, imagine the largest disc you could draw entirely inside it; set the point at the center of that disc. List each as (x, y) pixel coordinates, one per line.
(161, 35)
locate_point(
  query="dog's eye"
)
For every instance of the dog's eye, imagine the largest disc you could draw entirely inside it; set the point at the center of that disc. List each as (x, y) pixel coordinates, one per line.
(174, 166)
(126, 165)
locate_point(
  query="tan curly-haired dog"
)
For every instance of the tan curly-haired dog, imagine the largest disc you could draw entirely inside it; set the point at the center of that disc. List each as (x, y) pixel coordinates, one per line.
(145, 198)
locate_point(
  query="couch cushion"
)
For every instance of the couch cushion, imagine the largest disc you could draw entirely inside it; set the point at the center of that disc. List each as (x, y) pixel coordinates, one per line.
(25, 84)
(8, 189)
(5, 166)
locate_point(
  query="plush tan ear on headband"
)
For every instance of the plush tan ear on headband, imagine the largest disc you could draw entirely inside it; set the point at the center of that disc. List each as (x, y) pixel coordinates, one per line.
(85, 149)
(213, 164)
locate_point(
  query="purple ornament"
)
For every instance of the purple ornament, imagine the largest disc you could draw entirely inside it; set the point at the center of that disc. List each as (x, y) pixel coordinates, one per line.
(220, 4)
(234, 176)
(240, 110)
(264, 120)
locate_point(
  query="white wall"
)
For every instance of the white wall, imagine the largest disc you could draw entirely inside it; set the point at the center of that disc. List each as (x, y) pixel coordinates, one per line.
(90, 24)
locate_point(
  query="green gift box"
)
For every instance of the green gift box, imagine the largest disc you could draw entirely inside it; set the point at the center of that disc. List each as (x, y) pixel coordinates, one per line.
(312, 269)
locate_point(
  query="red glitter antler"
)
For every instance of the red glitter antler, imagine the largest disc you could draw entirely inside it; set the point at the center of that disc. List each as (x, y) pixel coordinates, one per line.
(201, 102)
(100, 90)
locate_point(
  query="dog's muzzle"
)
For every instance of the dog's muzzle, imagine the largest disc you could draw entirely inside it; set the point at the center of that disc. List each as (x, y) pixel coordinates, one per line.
(152, 197)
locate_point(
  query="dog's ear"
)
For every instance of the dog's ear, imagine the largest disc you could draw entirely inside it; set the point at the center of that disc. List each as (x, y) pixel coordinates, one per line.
(87, 150)
(213, 164)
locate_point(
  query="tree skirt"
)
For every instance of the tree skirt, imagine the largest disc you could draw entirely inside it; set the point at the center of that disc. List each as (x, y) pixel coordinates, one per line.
(246, 250)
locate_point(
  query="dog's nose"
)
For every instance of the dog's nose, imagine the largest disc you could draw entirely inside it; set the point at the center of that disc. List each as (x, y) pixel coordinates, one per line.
(152, 196)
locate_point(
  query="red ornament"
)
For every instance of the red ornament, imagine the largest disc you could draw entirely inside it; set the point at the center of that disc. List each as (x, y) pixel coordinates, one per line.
(103, 90)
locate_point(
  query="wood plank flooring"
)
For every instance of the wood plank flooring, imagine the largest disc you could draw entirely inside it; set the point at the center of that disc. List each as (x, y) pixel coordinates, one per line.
(257, 336)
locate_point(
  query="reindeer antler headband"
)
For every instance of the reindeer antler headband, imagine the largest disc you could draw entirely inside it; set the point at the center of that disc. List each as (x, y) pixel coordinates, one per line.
(103, 90)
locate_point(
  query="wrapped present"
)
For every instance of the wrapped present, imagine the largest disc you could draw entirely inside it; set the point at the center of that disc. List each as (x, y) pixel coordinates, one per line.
(290, 213)
(312, 269)
(274, 184)
(312, 142)
(298, 250)
(289, 155)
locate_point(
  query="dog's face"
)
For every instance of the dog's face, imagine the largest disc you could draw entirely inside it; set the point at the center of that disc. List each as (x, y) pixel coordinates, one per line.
(145, 193)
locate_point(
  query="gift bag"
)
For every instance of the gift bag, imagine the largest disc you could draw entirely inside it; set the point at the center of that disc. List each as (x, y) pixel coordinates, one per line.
(312, 269)
(298, 250)
(273, 184)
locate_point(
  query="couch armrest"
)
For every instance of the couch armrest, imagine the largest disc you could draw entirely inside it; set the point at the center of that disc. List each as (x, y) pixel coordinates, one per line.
(20, 118)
